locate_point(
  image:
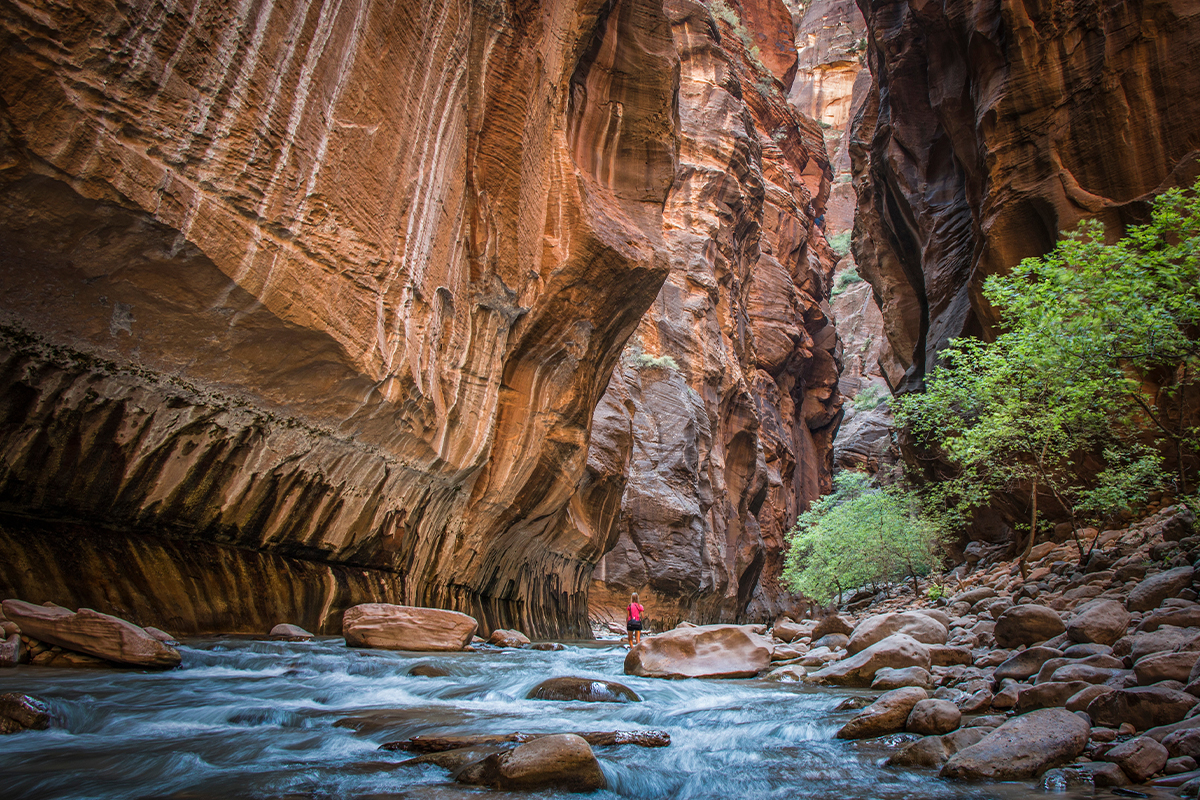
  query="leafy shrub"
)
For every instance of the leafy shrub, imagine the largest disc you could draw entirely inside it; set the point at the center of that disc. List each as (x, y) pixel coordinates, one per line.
(860, 534)
(647, 361)
(840, 244)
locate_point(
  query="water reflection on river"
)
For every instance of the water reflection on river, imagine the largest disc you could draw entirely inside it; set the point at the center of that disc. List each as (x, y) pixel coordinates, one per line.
(260, 719)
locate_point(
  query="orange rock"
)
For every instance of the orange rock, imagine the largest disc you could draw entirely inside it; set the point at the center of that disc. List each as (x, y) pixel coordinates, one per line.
(91, 633)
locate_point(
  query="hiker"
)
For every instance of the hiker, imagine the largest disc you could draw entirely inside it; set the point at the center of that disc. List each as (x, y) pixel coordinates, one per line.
(633, 620)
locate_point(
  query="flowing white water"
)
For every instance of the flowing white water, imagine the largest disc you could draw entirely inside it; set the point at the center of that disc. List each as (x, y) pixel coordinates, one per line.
(261, 719)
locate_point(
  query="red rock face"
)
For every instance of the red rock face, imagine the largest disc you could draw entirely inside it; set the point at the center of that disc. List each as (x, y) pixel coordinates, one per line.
(340, 283)
(716, 427)
(996, 125)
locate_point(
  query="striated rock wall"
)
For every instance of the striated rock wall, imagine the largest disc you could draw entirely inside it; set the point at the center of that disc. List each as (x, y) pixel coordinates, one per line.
(993, 126)
(329, 288)
(716, 427)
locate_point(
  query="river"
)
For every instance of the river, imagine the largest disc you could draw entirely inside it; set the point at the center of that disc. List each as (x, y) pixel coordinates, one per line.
(263, 719)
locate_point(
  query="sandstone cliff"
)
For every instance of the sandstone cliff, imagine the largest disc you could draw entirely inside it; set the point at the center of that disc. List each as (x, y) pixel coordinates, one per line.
(716, 428)
(993, 126)
(310, 304)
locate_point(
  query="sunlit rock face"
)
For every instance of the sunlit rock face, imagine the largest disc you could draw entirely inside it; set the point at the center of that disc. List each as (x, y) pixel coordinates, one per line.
(993, 126)
(324, 295)
(716, 427)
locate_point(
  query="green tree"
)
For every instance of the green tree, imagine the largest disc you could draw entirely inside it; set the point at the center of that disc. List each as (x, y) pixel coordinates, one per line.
(860, 534)
(1099, 338)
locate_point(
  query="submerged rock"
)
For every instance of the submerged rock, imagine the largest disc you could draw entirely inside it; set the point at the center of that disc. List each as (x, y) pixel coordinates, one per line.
(291, 633)
(705, 651)
(19, 712)
(393, 627)
(92, 633)
(429, 671)
(588, 690)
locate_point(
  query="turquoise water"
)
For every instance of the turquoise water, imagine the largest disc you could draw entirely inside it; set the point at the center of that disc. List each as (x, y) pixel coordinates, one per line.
(261, 719)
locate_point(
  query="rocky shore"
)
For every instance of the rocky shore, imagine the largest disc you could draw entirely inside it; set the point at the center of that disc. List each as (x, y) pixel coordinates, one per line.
(1084, 671)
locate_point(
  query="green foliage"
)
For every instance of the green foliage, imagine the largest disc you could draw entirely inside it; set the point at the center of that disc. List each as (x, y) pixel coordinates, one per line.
(1058, 402)
(861, 534)
(869, 398)
(647, 361)
(840, 244)
(936, 592)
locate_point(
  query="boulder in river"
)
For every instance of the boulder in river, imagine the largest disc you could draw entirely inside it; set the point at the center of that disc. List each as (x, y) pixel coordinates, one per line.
(1022, 748)
(291, 633)
(20, 712)
(874, 629)
(899, 650)
(886, 715)
(393, 627)
(588, 690)
(787, 631)
(561, 761)
(429, 671)
(506, 638)
(91, 633)
(10, 651)
(705, 651)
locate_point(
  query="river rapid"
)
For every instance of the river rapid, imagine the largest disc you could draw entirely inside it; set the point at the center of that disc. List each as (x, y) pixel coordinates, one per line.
(264, 719)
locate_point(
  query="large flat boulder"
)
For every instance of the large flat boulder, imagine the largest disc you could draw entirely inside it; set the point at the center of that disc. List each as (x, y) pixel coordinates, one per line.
(1027, 624)
(874, 629)
(1022, 748)
(899, 650)
(393, 627)
(705, 651)
(1165, 667)
(92, 633)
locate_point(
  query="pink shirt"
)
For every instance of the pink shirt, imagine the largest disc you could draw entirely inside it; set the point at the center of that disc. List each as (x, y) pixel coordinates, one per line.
(634, 611)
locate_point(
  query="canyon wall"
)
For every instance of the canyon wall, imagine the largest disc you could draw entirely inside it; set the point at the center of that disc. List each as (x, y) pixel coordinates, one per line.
(312, 303)
(717, 426)
(995, 124)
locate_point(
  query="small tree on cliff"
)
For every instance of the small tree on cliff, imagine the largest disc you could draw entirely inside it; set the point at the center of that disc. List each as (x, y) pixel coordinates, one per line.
(860, 534)
(1068, 401)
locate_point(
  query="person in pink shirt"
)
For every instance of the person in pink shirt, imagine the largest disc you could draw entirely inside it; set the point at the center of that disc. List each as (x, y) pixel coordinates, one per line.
(633, 620)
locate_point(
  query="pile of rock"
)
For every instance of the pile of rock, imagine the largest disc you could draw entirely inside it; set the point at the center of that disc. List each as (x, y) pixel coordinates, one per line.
(50, 635)
(1100, 663)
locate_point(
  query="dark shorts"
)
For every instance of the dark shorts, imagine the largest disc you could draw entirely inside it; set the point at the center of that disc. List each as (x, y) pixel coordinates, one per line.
(633, 625)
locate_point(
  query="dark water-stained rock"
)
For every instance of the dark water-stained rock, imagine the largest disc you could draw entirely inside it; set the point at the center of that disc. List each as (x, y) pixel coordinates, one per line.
(588, 690)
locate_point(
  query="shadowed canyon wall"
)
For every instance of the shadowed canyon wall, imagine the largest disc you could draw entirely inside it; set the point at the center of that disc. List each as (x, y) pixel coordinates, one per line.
(717, 426)
(311, 303)
(993, 125)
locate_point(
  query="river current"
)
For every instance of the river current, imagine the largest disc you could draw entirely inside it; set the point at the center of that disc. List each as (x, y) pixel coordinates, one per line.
(264, 719)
